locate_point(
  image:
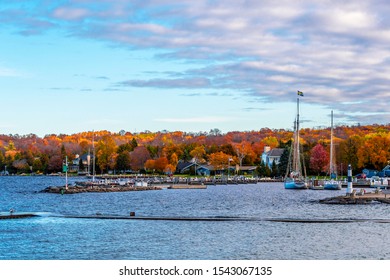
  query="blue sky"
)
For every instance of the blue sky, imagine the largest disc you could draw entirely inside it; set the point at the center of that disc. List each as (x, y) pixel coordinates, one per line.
(81, 65)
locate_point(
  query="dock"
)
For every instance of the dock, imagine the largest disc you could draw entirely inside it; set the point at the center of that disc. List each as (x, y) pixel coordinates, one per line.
(359, 198)
(16, 216)
(99, 189)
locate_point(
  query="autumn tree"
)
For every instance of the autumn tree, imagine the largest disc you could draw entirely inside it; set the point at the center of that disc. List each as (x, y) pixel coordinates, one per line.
(319, 159)
(375, 152)
(271, 141)
(161, 163)
(55, 163)
(198, 154)
(106, 153)
(242, 150)
(150, 165)
(21, 165)
(138, 158)
(220, 160)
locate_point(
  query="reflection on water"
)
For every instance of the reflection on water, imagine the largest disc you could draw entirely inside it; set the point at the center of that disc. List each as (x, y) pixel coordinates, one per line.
(55, 237)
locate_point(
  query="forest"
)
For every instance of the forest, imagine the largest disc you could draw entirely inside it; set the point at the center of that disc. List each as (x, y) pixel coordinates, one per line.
(160, 152)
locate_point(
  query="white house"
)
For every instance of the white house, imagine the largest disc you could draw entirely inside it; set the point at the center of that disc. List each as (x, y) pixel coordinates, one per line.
(270, 156)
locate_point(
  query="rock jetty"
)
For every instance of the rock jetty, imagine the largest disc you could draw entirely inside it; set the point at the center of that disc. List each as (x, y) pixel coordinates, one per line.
(359, 198)
(97, 188)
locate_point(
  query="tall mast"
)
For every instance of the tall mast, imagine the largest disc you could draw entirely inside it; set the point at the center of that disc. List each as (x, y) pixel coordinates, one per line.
(331, 165)
(93, 159)
(297, 152)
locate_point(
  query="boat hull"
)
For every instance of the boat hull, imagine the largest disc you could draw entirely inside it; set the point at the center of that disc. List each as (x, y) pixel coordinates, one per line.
(317, 187)
(294, 184)
(332, 186)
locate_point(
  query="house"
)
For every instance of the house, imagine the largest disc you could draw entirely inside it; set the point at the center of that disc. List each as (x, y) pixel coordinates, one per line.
(186, 167)
(84, 161)
(247, 170)
(369, 173)
(270, 156)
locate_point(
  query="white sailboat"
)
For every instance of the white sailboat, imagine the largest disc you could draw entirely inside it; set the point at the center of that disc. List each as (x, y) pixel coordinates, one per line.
(332, 183)
(294, 178)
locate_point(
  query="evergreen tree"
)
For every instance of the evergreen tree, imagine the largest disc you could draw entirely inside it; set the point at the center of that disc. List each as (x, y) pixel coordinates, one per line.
(283, 163)
(274, 169)
(134, 143)
(123, 161)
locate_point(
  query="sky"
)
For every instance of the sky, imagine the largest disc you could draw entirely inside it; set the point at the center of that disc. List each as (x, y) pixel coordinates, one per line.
(80, 65)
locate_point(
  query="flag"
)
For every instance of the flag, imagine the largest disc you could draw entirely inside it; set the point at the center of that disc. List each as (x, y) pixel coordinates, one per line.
(300, 93)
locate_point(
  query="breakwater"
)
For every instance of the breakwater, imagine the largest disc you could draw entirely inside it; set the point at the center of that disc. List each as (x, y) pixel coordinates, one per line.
(97, 188)
(359, 198)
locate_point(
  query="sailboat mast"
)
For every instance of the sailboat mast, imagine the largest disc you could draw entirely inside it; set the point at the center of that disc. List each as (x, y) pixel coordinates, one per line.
(297, 158)
(93, 159)
(331, 165)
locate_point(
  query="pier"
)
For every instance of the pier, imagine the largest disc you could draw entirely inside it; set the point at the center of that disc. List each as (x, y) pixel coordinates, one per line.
(17, 216)
(360, 197)
(98, 188)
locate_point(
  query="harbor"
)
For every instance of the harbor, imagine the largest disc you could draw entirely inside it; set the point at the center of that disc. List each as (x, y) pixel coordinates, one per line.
(259, 213)
(111, 183)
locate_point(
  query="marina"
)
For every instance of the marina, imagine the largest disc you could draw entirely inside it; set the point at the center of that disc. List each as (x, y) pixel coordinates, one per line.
(244, 221)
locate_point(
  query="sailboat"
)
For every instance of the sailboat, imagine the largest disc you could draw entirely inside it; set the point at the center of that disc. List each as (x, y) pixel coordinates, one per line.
(332, 184)
(294, 178)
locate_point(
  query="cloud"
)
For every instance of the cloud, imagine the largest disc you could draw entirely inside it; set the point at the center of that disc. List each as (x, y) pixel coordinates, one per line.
(169, 83)
(68, 13)
(336, 52)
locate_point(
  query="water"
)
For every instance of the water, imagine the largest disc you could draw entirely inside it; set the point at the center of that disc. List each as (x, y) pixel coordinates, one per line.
(48, 237)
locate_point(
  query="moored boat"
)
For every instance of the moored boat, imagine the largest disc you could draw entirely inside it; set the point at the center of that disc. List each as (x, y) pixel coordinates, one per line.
(332, 184)
(294, 178)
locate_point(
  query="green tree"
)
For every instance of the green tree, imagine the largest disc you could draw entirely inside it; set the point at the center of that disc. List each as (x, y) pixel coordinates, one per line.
(63, 151)
(274, 171)
(134, 143)
(123, 161)
(349, 151)
(128, 147)
(37, 165)
(2, 160)
(284, 161)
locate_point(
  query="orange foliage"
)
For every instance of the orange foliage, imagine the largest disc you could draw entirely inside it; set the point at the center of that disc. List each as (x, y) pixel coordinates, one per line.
(363, 146)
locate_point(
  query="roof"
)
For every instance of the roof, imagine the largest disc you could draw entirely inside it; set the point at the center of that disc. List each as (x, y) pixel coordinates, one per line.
(275, 152)
(181, 165)
(248, 168)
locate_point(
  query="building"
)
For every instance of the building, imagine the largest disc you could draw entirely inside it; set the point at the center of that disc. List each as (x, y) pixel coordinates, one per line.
(270, 156)
(84, 161)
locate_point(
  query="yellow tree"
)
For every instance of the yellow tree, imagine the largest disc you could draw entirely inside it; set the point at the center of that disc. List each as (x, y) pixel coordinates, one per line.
(150, 165)
(271, 141)
(375, 151)
(220, 160)
(173, 161)
(106, 153)
(198, 154)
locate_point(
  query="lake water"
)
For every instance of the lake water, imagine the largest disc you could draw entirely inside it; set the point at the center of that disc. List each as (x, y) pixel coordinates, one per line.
(51, 236)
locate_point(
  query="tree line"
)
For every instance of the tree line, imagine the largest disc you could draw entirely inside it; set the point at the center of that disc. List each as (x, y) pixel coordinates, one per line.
(160, 152)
